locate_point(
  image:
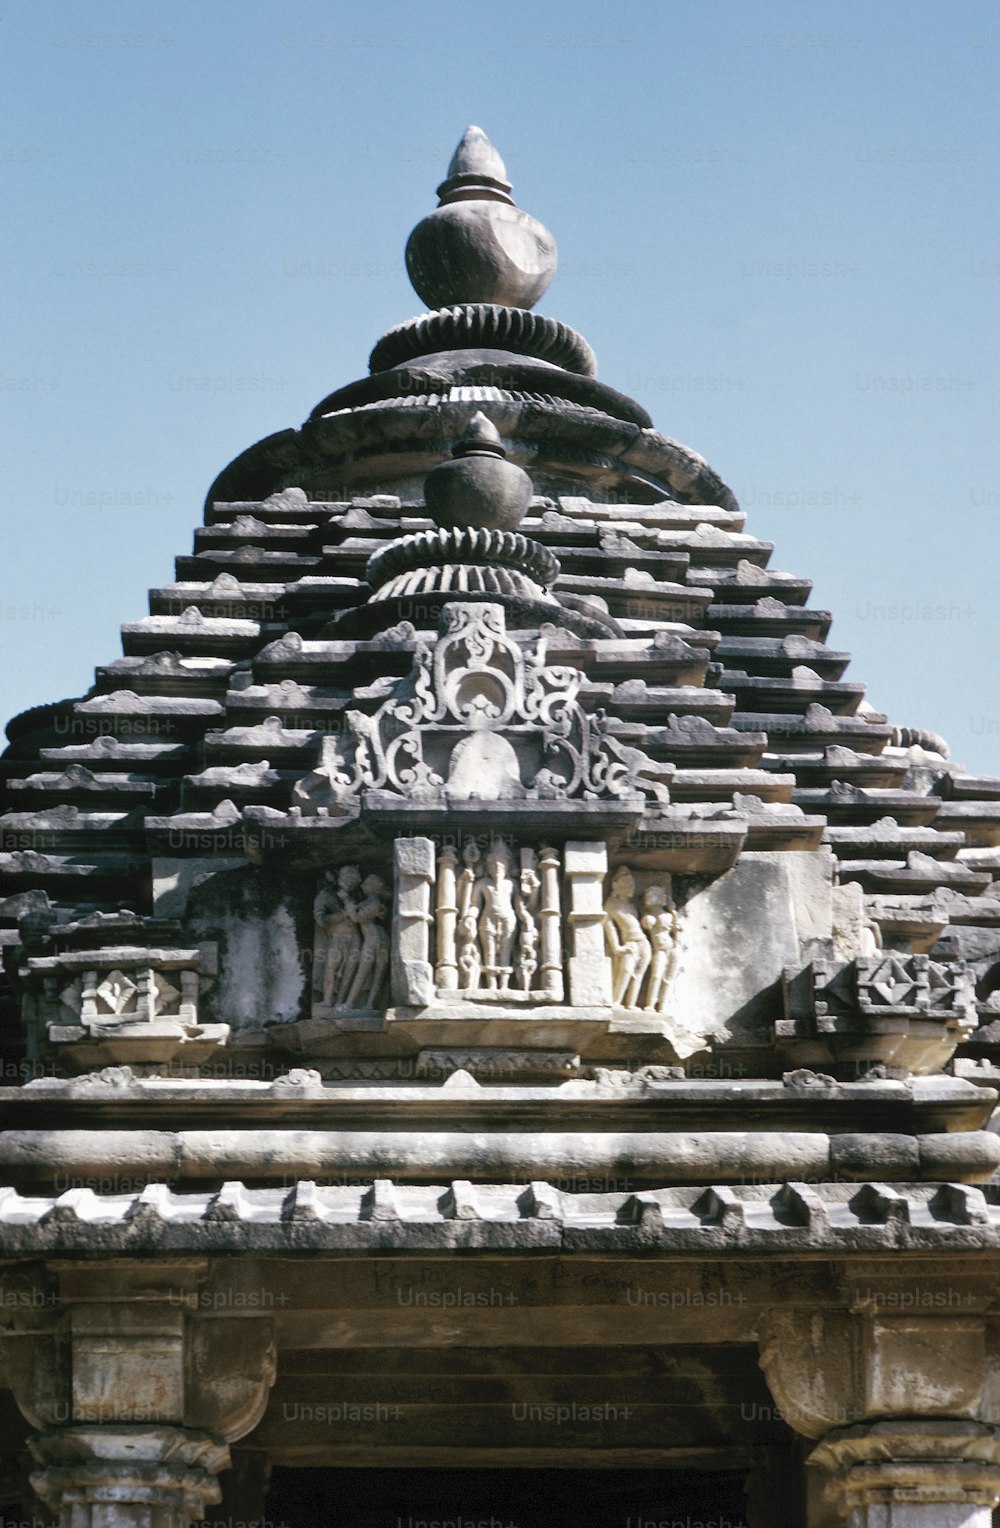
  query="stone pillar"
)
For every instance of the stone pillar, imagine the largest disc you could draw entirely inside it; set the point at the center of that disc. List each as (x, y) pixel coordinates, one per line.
(585, 866)
(913, 1474)
(550, 918)
(446, 914)
(897, 1400)
(412, 972)
(133, 1392)
(140, 1476)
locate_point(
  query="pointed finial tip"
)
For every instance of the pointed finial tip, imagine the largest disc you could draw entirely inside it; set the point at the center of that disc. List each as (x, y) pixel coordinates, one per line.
(480, 437)
(476, 171)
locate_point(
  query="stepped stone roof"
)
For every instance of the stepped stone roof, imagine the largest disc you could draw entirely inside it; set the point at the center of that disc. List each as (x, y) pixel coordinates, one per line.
(283, 711)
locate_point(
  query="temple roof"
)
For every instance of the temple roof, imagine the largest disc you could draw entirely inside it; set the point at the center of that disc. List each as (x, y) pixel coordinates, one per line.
(628, 560)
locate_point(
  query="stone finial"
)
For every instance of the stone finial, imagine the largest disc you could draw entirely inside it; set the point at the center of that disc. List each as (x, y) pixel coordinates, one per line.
(478, 487)
(477, 246)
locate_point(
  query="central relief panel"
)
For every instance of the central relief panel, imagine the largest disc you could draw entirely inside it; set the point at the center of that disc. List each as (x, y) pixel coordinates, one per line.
(498, 922)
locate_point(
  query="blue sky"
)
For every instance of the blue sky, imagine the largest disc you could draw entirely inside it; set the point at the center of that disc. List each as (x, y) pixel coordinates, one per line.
(777, 225)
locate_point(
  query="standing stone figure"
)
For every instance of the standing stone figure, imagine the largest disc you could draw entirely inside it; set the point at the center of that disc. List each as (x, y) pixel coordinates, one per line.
(624, 940)
(467, 936)
(659, 919)
(337, 931)
(373, 957)
(493, 899)
(527, 899)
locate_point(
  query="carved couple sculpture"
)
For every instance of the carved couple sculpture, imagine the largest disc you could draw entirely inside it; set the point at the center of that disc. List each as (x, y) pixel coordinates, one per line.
(642, 944)
(349, 915)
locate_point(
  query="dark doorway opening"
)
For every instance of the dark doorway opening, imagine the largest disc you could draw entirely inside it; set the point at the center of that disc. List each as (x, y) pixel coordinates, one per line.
(512, 1498)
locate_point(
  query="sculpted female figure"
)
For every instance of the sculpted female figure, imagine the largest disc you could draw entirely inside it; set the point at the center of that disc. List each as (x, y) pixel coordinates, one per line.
(526, 903)
(624, 940)
(373, 958)
(467, 942)
(333, 911)
(660, 922)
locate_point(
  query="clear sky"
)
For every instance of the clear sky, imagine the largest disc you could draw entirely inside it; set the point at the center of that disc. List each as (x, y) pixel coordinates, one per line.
(778, 227)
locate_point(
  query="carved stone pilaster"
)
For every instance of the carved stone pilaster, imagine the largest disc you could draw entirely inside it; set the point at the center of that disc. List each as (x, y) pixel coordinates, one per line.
(913, 1473)
(127, 1476)
(589, 970)
(446, 915)
(412, 972)
(551, 924)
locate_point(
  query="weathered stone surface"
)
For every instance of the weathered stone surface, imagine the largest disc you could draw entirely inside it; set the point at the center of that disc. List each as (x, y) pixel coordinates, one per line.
(651, 884)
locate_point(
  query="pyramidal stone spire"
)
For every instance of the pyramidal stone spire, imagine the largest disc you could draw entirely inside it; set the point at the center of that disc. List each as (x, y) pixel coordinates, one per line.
(477, 246)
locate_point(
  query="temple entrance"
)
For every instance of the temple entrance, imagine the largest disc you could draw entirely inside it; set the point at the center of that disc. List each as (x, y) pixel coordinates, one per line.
(507, 1498)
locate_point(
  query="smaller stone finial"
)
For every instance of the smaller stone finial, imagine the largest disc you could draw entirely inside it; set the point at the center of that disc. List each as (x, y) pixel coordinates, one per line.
(478, 486)
(477, 246)
(480, 438)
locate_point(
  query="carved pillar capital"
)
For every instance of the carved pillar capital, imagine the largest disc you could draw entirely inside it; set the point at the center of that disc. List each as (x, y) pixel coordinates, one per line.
(897, 1387)
(128, 1476)
(124, 1345)
(832, 1368)
(905, 1473)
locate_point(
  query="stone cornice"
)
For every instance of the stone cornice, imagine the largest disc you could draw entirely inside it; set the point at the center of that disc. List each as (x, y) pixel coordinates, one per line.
(789, 1221)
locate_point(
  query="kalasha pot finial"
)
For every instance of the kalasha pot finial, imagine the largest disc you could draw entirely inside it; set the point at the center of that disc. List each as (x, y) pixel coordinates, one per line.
(477, 246)
(478, 486)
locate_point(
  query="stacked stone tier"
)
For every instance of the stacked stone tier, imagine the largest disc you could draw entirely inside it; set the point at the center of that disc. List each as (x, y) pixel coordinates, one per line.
(713, 664)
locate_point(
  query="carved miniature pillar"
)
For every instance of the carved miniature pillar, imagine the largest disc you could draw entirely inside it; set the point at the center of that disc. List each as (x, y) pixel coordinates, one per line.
(412, 972)
(550, 917)
(188, 1010)
(585, 866)
(446, 914)
(897, 1399)
(142, 1476)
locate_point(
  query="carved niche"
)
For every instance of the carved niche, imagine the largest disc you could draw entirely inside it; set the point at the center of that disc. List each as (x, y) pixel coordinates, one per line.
(497, 922)
(124, 1003)
(908, 1012)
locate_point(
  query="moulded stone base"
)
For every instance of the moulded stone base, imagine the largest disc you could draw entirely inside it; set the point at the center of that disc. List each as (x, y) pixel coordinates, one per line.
(128, 1477)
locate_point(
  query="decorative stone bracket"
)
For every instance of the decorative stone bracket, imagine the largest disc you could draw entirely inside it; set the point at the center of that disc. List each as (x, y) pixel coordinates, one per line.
(907, 1012)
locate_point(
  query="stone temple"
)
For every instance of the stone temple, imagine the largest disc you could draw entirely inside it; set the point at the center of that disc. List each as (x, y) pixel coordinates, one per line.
(497, 1030)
